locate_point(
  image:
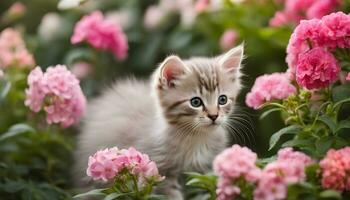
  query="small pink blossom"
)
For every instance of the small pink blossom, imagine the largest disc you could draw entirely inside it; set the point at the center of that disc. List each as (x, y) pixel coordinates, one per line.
(17, 9)
(317, 68)
(234, 163)
(228, 39)
(276, 176)
(202, 5)
(101, 34)
(13, 51)
(336, 169)
(81, 69)
(1, 73)
(108, 163)
(270, 87)
(226, 190)
(153, 17)
(296, 10)
(321, 8)
(58, 93)
(348, 77)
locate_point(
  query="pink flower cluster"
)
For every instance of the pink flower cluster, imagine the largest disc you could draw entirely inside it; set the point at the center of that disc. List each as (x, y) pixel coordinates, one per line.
(324, 35)
(271, 182)
(58, 92)
(348, 77)
(228, 39)
(336, 169)
(234, 163)
(108, 163)
(13, 51)
(296, 10)
(270, 87)
(289, 168)
(102, 34)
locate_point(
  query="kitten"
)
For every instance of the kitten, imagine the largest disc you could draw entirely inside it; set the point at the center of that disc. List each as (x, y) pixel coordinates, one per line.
(178, 118)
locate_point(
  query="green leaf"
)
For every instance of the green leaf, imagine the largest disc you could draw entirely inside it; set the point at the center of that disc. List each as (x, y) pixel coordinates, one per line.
(293, 129)
(156, 197)
(330, 194)
(297, 143)
(114, 196)
(266, 113)
(323, 144)
(340, 93)
(15, 130)
(96, 192)
(5, 90)
(328, 121)
(342, 125)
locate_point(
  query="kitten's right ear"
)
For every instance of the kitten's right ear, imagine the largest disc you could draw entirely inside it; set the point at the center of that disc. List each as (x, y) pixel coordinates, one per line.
(170, 70)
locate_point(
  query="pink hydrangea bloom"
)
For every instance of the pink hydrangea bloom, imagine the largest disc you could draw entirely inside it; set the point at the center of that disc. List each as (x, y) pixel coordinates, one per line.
(16, 9)
(101, 34)
(270, 87)
(271, 187)
(317, 68)
(348, 77)
(236, 162)
(228, 39)
(233, 163)
(226, 190)
(336, 169)
(106, 164)
(13, 51)
(58, 93)
(330, 32)
(287, 169)
(296, 10)
(81, 69)
(321, 8)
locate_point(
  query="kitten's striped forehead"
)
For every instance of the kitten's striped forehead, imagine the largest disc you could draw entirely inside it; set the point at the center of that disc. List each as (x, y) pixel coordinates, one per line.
(205, 73)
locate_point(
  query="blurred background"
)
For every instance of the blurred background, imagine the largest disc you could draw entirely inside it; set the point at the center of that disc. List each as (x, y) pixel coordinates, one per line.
(154, 29)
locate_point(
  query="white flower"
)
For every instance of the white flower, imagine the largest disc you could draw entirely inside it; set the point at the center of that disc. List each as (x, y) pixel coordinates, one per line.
(50, 26)
(68, 4)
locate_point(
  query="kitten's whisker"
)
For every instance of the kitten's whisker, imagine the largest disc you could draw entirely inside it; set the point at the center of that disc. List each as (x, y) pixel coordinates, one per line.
(245, 131)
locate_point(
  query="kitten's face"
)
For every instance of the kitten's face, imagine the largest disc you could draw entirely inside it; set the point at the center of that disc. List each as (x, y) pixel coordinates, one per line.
(200, 92)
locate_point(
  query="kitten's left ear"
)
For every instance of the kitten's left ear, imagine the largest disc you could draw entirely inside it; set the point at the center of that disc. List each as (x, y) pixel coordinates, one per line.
(231, 60)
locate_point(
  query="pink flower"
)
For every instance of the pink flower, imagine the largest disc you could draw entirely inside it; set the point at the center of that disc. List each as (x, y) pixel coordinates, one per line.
(270, 87)
(270, 187)
(81, 69)
(58, 93)
(232, 164)
(321, 8)
(332, 31)
(1, 73)
(153, 17)
(296, 10)
(235, 162)
(287, 169)
(202, 5)
(101, 34)
(226, 190)
(279, 19)
(348, 77)
(228, 39)
(336, 169)
(108, 163)
(17, 9)
(317, 68)
(13, 51)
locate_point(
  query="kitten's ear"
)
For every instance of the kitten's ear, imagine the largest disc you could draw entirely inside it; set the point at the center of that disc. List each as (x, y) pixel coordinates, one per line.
(231, 60)
(171, 69)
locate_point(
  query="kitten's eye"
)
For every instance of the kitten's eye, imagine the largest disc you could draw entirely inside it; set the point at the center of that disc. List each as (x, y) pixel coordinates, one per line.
(222, 100)
(196, 102)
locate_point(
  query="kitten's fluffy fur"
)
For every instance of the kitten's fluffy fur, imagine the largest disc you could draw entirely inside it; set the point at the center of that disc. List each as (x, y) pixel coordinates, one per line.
(158, 119)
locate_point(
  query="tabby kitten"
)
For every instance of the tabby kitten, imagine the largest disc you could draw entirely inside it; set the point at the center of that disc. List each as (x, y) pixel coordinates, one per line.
(178, 118)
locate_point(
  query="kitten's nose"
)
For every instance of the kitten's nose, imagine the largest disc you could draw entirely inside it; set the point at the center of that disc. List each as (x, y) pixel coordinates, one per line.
(213, 117)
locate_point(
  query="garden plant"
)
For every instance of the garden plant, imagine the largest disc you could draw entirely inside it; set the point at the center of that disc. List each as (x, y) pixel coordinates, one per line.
(291, 137)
